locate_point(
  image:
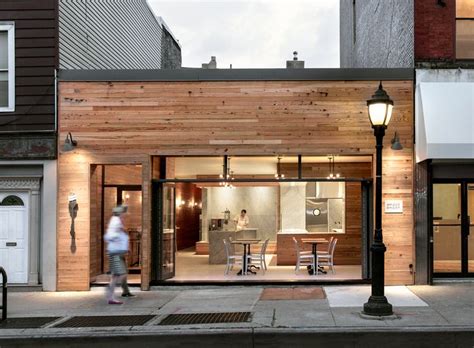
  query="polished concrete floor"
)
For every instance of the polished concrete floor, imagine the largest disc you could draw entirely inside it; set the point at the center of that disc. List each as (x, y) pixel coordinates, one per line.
(192, 267)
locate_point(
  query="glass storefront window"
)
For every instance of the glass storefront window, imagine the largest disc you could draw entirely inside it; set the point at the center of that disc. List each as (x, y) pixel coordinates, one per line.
(194, 167)
(264, 167)
(464, 29)
(447, 228)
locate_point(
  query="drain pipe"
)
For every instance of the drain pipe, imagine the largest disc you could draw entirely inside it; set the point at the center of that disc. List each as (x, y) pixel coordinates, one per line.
(4, 293)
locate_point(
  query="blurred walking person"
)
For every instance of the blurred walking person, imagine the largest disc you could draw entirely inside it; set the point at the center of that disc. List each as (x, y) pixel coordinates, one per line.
(117, 247)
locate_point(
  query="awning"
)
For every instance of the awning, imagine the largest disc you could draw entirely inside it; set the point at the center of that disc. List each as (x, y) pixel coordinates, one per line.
(444, 120)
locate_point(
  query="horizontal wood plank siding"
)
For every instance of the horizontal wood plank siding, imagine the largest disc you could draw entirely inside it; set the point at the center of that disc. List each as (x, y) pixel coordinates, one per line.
(127, 122)
(36, 57)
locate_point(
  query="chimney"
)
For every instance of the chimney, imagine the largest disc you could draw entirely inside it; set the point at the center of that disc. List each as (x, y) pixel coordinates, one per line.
(211, 65)
(295, 63)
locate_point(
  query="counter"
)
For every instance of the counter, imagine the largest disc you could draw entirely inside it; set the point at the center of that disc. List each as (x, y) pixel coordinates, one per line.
(216, 245)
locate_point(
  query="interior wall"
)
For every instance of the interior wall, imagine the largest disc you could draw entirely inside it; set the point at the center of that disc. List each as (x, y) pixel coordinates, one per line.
(124, 174)
(260, 202)
(187, 215)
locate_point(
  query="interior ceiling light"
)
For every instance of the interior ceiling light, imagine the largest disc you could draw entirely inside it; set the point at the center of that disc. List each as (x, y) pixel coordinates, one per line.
(278, 174)
(229, 176)
(332, 168)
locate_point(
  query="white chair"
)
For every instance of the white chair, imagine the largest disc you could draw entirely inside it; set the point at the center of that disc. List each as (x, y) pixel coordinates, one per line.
(327, 257)
(232, 259)
(259, 258)
(303, 258)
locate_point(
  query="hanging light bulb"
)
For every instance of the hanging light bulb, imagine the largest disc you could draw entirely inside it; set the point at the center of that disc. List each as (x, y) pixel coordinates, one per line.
(278, 175)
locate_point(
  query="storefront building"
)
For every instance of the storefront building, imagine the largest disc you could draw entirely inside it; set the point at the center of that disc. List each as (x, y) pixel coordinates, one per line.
(444, 53)
(187, 150)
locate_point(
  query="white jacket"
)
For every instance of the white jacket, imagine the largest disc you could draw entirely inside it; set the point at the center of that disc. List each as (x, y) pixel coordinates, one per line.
(116, 238)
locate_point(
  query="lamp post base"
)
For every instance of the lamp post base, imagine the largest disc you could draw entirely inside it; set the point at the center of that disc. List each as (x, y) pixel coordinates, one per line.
(377, 306)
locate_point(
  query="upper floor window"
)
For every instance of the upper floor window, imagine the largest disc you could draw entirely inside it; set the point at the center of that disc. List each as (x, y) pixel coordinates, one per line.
(464, 29)
(7, 67)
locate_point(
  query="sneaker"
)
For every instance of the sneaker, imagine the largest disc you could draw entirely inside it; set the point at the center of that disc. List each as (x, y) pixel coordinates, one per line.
(115, 302)
(128, 294)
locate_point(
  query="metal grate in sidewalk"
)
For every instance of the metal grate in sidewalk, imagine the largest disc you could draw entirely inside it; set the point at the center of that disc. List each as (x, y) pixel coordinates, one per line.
(106, 320)
(27, 322)
(206, 318)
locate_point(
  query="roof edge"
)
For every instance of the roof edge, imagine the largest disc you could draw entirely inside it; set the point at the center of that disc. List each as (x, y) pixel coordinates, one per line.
(197, 74)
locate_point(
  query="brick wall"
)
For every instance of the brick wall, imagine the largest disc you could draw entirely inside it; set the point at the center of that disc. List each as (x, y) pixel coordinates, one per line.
(435, 30)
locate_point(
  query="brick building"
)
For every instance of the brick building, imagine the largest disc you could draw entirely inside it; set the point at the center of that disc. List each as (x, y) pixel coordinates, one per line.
(437, 39)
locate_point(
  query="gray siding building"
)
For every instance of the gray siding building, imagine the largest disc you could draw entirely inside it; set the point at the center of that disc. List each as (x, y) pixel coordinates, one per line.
(118, 34)
(376, 33)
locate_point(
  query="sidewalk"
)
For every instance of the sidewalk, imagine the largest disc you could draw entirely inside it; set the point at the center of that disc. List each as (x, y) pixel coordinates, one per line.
(445, 311)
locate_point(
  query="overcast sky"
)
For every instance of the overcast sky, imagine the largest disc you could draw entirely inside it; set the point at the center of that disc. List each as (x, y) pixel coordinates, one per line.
(254, 33)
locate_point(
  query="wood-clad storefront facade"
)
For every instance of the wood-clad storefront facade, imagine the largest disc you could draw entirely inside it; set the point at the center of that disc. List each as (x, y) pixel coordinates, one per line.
(118, 119)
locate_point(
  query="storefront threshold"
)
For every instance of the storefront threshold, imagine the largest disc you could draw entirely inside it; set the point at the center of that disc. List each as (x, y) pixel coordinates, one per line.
(259, 282)
(453, 280)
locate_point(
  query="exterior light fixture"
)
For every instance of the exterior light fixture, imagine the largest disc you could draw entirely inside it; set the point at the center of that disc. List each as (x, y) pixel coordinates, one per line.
(380, 111)
(396, 145)
(69, 143)
(380, 108)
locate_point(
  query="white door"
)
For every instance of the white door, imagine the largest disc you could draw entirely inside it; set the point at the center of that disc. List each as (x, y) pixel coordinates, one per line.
(14, 235)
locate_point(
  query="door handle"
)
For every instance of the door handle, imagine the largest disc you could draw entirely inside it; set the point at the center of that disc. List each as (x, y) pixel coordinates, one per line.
(11, 244)
(468, 225)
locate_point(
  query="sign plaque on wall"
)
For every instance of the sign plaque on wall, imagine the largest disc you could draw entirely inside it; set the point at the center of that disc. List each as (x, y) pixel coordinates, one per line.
(394, 206)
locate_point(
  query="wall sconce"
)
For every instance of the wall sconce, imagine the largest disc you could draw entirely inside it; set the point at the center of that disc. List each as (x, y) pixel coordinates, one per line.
(396, 145)
(69, 143)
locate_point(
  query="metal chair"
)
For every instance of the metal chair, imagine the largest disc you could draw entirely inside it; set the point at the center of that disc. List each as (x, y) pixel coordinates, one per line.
(327, 257)
(259, 258)
(232, 259)
(303, 258)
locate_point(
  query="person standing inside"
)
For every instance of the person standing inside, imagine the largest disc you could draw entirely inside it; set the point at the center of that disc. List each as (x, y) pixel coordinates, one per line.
(242, 220)
(117, 247)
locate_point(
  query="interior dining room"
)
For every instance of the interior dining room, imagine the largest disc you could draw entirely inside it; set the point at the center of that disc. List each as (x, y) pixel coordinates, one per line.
(110, 186)
(283, 206)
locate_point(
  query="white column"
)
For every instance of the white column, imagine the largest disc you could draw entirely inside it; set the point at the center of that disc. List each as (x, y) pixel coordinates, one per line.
(48, 240)
(293, 206)
(34, 233)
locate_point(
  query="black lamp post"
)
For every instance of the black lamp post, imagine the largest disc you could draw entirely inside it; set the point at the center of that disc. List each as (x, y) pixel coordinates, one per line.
(380, 111)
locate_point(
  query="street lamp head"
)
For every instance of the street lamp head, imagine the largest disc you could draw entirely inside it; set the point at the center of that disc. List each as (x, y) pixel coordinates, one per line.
(380, 108)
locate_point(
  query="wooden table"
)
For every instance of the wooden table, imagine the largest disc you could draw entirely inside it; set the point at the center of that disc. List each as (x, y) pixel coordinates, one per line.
(246, 243)
(314, 243)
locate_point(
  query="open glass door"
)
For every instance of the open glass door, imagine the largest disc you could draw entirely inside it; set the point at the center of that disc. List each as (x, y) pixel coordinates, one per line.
(164, 215)
(470, 228)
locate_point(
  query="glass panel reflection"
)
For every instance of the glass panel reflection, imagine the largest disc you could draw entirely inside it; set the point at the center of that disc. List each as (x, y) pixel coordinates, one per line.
(470, 213)
(465, 39)
(447, 228)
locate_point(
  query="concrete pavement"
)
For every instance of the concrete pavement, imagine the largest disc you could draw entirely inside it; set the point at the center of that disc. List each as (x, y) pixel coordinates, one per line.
(439, 315)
